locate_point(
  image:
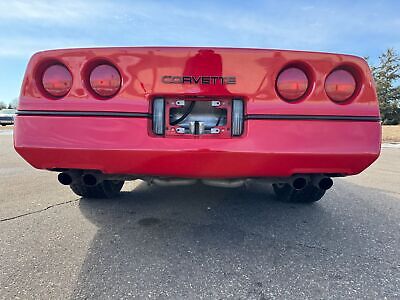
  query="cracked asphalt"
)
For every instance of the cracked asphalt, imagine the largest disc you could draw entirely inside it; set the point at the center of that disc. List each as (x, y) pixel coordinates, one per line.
(197, 241)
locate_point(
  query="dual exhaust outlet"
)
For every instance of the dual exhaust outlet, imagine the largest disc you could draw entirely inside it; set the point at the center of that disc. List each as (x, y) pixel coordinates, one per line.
(297, 182)
(89, 179)
(321, 182)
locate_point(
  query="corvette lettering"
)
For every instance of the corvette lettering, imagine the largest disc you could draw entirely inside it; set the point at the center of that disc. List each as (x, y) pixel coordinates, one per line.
(198, 79)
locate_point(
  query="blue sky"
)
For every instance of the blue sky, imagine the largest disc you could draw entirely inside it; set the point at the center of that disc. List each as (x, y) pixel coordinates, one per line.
(364, 28)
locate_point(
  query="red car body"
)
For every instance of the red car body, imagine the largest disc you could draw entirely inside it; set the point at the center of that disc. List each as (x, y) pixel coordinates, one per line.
(311, 135)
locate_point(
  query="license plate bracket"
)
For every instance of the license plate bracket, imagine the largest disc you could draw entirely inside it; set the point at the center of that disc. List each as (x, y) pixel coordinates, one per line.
(198, 117)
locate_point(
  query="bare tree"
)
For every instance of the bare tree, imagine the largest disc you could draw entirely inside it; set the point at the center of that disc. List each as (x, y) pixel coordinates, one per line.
(14, 103)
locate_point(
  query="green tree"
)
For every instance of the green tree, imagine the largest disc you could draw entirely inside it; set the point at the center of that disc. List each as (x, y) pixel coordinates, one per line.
(387, 75)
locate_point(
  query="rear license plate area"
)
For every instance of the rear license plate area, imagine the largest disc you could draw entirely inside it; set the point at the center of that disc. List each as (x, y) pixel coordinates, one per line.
(198, 118)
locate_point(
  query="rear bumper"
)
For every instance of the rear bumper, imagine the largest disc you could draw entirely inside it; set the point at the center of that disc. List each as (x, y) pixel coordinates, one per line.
(116, 145)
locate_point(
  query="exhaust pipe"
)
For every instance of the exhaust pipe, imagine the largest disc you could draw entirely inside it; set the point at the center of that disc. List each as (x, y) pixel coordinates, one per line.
(229, 183)
(64, 178)
(172, 181)
(90, 179)
(325, 183)
(322, 182)
(299, 182)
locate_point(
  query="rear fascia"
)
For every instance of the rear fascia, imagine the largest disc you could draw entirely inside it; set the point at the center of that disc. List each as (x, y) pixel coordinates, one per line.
(268, 147)
(311, 135)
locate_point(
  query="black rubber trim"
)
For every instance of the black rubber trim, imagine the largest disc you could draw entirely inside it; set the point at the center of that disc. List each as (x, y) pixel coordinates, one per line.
(313, 117)
(147, 115)
(83, 114)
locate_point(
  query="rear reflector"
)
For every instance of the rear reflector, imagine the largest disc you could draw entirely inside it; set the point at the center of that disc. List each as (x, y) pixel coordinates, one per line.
(292, 83)
(158, 116)
(105, 80)
(237, 117)
(340, 85)
(57, 80)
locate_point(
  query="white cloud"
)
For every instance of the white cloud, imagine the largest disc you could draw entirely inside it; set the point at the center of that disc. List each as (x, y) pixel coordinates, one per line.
(44, 11)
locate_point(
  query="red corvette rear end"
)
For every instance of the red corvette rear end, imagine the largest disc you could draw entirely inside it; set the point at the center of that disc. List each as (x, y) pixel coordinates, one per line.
(218, 115)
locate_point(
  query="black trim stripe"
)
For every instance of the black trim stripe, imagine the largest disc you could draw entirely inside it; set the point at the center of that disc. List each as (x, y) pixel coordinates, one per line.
(314, 117)
(83, 114)
(147, 115)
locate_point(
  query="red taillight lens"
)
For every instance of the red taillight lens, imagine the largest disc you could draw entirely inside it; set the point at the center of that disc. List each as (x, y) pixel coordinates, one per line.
(105, 80)
(57, 80)
(340, 85)
(292, 83)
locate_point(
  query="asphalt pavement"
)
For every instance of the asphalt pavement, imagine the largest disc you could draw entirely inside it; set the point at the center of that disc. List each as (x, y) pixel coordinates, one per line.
(197, 241)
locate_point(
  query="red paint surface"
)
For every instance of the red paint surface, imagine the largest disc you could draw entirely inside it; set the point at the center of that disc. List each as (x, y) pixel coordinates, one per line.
(255, 70)
(267, 148)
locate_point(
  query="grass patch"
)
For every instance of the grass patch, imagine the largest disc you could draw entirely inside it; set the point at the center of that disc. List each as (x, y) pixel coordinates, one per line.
(391, 133)
(8, 127)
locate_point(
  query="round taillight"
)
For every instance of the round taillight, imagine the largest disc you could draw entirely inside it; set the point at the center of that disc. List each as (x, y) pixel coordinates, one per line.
(292, 83)
(57, 80)
(340, 85)
(105, 80)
